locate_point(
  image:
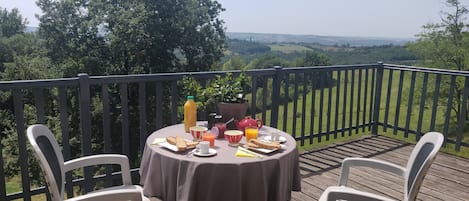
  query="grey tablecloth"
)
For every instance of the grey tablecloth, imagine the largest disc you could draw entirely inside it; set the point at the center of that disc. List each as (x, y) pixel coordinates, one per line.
(223, 177)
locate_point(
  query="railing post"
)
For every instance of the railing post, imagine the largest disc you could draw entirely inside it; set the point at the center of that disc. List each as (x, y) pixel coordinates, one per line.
(23, 155)
(462, 115)
(275, 96)
(85, 124)
(378, 84)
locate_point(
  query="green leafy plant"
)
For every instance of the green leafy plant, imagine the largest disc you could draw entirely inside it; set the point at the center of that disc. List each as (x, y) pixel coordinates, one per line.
(227, 89)
(191, 87)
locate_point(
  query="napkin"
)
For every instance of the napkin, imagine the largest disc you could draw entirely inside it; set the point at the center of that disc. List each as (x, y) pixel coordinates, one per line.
(158, 140)
(241, 153)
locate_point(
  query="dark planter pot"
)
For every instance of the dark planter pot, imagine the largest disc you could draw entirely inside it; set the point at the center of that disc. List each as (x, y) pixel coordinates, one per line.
(232, 110)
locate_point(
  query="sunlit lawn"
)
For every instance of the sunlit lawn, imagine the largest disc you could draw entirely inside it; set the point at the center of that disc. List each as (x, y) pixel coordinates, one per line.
(356, 133)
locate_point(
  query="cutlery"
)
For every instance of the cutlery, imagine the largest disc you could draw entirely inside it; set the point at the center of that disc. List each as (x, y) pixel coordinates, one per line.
(229, 121)
(189, 154)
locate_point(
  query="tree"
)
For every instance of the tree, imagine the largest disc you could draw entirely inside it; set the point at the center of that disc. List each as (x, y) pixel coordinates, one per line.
(11, 23)
(133, 36)
(311, 58)
(71, 33)
(234, 63)
(21, 58)
(266, 61)
(446, 45)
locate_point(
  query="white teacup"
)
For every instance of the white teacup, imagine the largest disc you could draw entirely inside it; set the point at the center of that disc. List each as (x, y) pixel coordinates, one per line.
(204, 147)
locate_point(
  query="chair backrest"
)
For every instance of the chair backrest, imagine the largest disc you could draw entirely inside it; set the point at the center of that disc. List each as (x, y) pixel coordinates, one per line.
(48, 152)
(419, 163)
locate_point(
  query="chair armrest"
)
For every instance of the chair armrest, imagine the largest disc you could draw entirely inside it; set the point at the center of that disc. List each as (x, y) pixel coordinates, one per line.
(127, 193)
(346, 193)
(102, 159)
(368, 162)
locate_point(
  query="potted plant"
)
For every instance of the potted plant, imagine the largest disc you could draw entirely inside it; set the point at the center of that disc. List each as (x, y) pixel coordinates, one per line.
(225, 95)
(228, 94)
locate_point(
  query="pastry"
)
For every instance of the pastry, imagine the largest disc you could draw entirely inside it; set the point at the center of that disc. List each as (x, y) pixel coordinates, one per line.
(181, 143)
(252, 145)
(265, 145)
(187, 145)
(191, 144)
(171, 140)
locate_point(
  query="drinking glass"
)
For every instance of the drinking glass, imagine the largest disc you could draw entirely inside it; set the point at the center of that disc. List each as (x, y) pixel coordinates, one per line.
(210, 137)
(251, 132)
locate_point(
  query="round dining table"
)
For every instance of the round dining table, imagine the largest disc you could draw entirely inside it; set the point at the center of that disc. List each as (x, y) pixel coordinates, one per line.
(183, 176)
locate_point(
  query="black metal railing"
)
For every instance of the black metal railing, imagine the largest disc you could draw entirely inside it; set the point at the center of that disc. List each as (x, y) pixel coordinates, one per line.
(115, 114)
(429, 99)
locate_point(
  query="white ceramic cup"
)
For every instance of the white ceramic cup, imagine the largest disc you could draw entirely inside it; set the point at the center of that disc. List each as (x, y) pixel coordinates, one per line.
(204, 146)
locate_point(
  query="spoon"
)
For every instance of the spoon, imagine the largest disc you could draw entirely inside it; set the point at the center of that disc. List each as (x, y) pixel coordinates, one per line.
(229, 121)
(189, 154)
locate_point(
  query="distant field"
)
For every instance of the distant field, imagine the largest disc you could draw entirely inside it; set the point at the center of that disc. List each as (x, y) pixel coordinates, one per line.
(288, 48)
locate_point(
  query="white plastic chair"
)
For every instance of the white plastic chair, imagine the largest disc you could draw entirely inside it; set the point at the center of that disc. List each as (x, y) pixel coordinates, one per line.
(419, 162)
(48, 153)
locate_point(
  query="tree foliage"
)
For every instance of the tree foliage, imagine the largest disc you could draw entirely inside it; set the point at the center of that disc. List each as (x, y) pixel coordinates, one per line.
(446, 45)
(11, 22)
(311, 58)
(132, 36)
(234, 63)
(244, 47)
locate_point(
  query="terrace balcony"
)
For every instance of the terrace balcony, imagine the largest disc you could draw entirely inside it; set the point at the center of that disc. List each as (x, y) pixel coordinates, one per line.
(370, 110)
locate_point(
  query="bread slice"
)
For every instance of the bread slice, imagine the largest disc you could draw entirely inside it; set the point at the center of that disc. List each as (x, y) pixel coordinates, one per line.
(171, 140)
(188, 145)
(252, 145)
(191, 145)
(265, 145)
(181, 143)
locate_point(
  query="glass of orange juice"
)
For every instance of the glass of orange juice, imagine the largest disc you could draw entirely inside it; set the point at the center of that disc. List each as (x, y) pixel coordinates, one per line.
(251, 132)
(210, 137)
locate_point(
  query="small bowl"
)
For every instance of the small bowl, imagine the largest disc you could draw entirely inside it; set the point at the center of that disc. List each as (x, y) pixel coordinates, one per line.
(197, 132)
(233, 137)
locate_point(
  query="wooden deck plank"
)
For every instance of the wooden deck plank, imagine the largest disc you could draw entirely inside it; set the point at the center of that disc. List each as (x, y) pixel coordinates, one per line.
(447, 179)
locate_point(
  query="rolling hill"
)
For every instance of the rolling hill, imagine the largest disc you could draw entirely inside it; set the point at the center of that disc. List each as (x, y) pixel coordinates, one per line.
(315, 39)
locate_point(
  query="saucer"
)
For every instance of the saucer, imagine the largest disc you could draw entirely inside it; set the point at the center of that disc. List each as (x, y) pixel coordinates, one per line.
(281, 139)
(211, 152)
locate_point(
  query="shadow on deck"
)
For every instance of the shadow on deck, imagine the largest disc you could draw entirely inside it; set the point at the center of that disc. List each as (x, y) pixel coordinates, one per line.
(448, 178)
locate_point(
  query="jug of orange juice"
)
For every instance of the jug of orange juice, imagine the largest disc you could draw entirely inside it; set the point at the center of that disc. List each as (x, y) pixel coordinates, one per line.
(190, 113)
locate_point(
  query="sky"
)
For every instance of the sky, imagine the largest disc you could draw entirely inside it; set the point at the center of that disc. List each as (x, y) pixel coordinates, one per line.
(362, 18)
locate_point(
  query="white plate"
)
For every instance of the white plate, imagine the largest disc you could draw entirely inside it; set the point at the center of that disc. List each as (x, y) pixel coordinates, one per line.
(211, 152)
(281, 139)
(262, 149)
(172, 147)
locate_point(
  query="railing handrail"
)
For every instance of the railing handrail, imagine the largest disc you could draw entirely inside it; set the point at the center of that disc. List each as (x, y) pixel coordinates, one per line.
(53, 82)
(426, 70)
(40, 83)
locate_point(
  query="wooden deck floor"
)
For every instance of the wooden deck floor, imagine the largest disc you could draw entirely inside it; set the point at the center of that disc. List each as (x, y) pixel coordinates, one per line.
(448, 178)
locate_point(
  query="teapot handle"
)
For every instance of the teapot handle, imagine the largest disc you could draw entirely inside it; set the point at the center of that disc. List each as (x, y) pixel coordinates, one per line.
(260, 123)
